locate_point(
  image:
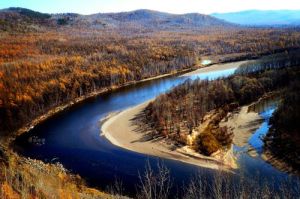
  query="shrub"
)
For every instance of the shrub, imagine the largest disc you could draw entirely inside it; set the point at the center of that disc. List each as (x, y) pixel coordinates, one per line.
(224, 136)
(207, 144)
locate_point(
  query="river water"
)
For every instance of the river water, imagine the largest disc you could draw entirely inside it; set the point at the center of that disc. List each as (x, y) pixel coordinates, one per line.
(73, 139)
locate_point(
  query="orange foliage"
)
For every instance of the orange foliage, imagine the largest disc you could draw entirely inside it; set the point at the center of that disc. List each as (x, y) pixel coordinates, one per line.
(65, 194)
(8, 192)
(42, 70)
(16, 47)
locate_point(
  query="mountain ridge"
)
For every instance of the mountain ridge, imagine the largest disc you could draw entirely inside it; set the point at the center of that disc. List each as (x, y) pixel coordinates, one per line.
(137, 19)
(262, 17)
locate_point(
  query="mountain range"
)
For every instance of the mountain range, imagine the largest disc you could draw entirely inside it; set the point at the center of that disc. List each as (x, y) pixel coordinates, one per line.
(20, 18)
(262, 17)
(23, 20)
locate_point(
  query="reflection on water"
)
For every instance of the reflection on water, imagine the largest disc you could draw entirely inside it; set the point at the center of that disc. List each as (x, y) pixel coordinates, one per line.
(253, 165)
(72, 138)
(265, 107)
(256, 139)
(213, 74)
(265, 104)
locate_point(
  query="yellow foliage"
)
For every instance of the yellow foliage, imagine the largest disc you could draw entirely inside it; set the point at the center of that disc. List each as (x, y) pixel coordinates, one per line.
(66, 194)
(8, 192)
(23, 98)
(61, 176)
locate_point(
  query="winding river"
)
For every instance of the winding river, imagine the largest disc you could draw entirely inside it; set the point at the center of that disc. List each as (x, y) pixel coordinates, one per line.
(73, 139)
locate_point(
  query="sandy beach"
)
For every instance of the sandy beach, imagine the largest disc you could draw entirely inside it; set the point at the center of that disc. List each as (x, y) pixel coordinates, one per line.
(120, 131)
(243, 125)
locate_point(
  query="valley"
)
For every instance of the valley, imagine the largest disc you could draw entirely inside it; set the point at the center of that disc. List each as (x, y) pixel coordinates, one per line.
(129, 104)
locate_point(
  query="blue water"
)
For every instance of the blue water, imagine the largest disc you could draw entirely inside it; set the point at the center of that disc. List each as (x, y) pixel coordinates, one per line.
(256, 139)
(72, 138)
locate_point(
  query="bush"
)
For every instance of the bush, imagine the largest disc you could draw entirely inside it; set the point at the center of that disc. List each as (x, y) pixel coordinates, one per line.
(224, 136)
(207, 144)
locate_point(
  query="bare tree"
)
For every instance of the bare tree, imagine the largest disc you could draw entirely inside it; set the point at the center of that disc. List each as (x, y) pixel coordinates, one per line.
(155, 185)
(116, 189)
(197, 188)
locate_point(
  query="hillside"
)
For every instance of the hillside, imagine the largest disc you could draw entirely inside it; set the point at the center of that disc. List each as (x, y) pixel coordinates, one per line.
(53, 62)
(262, 17)
(24, 20)
(148, 19)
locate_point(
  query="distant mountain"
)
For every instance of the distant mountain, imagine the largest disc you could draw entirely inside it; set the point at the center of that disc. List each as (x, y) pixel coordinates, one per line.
(145, 19)
(148, 19)
(262, 17)
(20, 19)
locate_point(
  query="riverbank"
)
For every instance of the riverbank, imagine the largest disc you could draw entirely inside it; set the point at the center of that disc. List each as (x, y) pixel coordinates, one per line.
(243, 124)
(53, 170)
(121, 131)
(21, 161)
(81, 99)
(22, 177)
(53, 111)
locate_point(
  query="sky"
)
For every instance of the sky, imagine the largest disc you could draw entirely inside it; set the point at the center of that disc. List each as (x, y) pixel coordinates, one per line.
(171, 6)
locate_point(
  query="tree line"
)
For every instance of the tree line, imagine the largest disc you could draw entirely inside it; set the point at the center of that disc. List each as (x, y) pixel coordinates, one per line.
(273, 61)
(43, 70)
(180, 111)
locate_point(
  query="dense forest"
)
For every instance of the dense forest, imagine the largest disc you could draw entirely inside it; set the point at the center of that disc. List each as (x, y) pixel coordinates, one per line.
(43, 70)
(179, 112)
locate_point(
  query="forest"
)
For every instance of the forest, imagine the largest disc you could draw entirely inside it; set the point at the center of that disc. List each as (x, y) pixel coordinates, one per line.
(46, 69)
(179, 112)
(48, 61)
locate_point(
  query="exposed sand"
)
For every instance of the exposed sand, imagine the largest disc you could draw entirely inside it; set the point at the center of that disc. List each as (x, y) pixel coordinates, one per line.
(27, 127)
(120, 131)
(243, 124)
(216, 67)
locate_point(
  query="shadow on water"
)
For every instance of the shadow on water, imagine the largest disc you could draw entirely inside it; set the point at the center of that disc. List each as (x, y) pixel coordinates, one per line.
(73, 139)
(265, 108)
(253, 165)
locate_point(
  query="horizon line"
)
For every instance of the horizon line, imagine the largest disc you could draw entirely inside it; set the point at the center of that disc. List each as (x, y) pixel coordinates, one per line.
(125, 11)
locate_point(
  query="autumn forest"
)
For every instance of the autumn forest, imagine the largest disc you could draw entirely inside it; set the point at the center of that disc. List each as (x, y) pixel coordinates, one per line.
(42, 70)
(50, 62)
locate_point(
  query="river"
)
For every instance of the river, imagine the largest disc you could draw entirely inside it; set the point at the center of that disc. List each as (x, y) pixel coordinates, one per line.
(73, 139)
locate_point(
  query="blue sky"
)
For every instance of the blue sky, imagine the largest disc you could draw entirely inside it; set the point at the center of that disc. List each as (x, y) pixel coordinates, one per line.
(172, 6)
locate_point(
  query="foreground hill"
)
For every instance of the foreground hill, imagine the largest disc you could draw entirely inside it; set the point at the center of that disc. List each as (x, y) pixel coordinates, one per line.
(20, 19)
(23, 20)
(262, 17)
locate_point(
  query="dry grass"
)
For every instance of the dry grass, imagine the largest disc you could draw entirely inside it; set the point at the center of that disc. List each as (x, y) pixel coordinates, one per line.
(27, 178)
